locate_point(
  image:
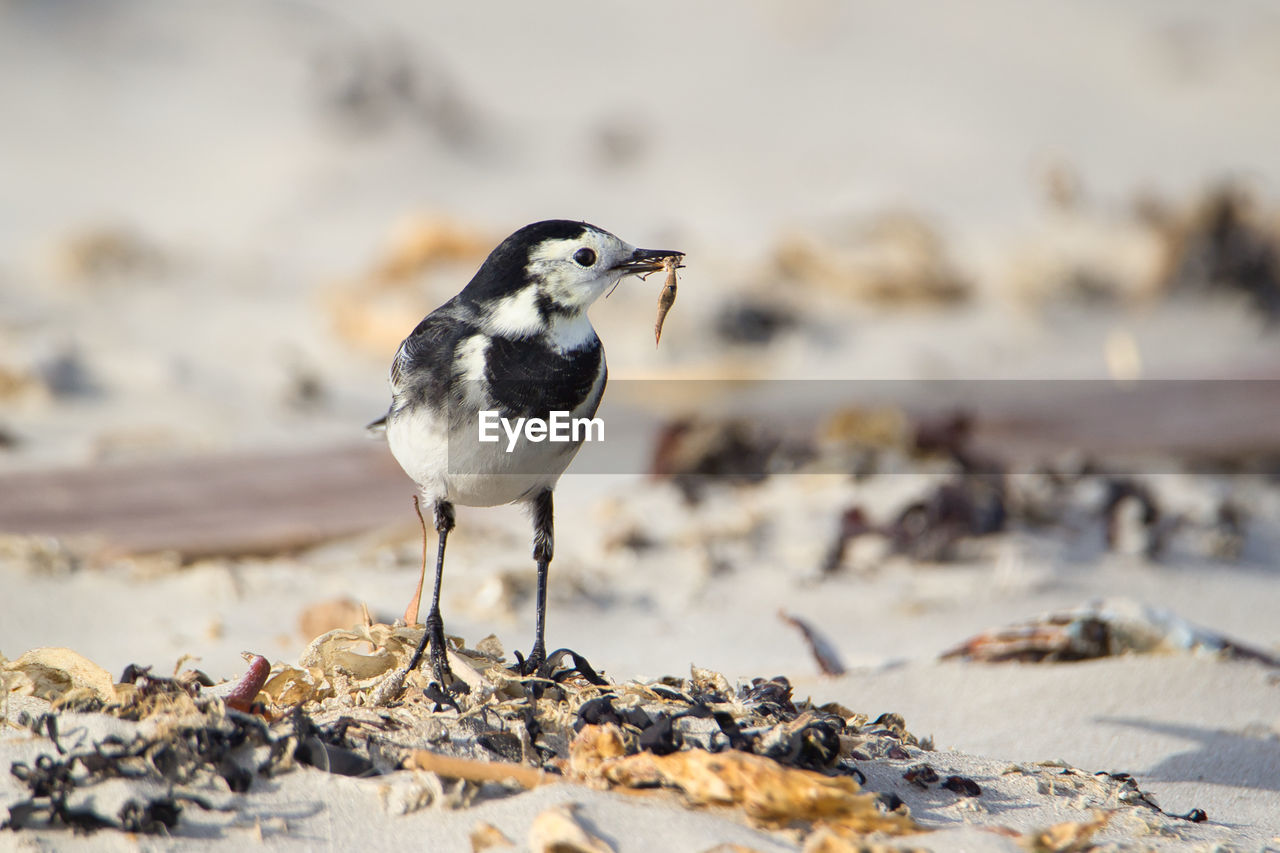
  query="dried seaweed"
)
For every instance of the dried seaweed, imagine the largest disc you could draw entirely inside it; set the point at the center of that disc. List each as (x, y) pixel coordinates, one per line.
(755, 747)
(213, 748)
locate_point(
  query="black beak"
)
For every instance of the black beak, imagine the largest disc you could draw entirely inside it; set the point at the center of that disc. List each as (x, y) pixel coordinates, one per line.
(647, 260)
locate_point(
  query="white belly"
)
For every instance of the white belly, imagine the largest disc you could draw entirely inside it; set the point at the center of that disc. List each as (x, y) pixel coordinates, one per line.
(457, 467)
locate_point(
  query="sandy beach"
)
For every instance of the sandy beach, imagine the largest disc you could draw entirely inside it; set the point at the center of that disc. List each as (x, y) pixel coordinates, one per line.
(963, 426)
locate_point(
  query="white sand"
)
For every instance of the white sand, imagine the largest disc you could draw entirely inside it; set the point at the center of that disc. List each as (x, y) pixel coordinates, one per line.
(201, 131)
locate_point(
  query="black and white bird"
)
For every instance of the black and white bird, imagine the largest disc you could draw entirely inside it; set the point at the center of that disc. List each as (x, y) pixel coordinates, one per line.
(515, 341)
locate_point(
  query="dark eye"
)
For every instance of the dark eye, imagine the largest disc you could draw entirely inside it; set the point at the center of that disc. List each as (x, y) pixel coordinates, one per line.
(584, 257)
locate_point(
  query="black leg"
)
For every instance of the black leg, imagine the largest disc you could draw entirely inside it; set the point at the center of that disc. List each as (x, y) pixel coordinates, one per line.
(543, 548)
(435, 625)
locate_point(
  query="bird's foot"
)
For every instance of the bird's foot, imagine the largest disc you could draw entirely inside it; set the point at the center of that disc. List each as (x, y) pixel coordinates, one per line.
(548, 666)
(439, 657)
(532, 664)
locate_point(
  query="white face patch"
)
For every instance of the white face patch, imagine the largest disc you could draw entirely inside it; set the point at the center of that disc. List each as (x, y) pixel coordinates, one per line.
(570, 284)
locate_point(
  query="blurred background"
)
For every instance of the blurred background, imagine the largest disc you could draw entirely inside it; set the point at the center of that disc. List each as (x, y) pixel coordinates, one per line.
(217, 221)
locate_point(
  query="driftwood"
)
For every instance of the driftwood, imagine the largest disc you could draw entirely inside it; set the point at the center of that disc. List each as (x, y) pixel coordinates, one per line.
(241, 504)
(264, 503)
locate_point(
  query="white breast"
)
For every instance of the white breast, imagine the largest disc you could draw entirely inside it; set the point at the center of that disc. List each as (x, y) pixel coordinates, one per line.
(452, 464)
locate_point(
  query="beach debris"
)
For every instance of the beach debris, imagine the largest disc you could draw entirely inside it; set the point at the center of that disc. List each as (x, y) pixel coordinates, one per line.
(558, 830)
(149, 690)
(667, 297)
(21, 383)
(1227, 243)
(822, 649)
(479, 771)
(1087, 257)
(769, 793)
(1067, 837)
(1101, 629)
(920, 775)
(58, 674)
(290, 686)
(962, 785)
(186, 763)
(752, 321)
(106, 252)
(1130, 794)
(1133, 519)
(421, 241)
(1226, 535)
(1112, 790)
(406, 793)
(486, 836)
(893, 260)
(853, 524)
(694, 453)
(370, 311)
(863, 440)
(68, 373)
(753, 746)
(932, 528)
(244, 694)
(950, 436)
(304, 388)
(39, 555)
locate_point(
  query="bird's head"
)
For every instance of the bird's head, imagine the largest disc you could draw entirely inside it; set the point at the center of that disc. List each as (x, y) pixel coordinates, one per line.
(555, 268)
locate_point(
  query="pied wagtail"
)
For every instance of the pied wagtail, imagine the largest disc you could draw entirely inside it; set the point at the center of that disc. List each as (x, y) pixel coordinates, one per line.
(517, 341)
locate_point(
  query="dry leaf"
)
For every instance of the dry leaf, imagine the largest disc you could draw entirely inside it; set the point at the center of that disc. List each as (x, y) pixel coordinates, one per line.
(52, 673)
(293, 686)
(1069, 837)
(557, 830)
(486, 836)
(768, 792)
(593, 746)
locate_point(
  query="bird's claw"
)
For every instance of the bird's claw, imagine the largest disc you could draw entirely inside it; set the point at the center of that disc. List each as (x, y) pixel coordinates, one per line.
(535, 663)
(541, 665)
(439, 657)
